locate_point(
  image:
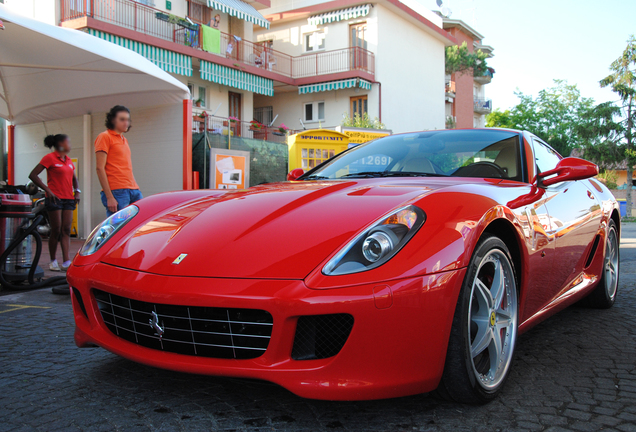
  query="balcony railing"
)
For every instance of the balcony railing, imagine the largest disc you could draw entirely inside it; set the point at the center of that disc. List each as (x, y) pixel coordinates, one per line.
(236, 128)
(482, 106)
(154, 22)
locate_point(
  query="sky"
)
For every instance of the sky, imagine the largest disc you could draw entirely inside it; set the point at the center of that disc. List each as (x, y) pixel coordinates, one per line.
(537, 41)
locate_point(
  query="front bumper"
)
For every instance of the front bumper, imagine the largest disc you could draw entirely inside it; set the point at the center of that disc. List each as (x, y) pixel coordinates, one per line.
(397, 346)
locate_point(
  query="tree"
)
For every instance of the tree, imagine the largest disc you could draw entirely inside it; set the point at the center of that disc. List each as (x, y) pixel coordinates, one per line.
(460, 60)
(553, 115)
(622, 81)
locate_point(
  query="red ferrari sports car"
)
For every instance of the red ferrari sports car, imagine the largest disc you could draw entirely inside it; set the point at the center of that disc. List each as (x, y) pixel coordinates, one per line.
(400, 266)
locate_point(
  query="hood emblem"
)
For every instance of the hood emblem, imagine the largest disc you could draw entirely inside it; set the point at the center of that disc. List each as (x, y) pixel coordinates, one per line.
(154, 324)
(180, 258)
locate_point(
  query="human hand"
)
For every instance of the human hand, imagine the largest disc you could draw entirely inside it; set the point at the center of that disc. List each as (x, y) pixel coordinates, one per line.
(51, 196)
(77, 197)
(111, 204)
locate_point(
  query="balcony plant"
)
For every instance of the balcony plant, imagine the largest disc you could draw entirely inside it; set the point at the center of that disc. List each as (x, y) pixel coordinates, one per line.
(198, 102)
(282, 130)
(362, 121)
(256, 125)
(233, 119)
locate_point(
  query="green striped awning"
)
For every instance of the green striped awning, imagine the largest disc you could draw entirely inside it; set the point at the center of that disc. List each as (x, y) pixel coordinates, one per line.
(236, 78)
(340, 15)
(240, 10)
(167, 60)
(334, 85)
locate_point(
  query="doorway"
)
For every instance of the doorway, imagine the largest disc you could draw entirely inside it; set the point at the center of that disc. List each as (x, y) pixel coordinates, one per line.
(357, 39)
(235, 111)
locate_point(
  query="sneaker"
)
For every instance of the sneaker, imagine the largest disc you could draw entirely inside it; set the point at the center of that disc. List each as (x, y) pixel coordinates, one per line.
(66, 265)
(53, 266)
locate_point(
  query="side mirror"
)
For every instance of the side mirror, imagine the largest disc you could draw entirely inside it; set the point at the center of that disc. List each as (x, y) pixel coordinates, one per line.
(568, 169)
(295, 174)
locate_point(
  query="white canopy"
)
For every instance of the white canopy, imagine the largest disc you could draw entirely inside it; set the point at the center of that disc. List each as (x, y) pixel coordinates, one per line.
(49, 72)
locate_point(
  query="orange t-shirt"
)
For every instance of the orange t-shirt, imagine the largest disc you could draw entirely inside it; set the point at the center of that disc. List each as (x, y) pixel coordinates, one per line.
(118, 163)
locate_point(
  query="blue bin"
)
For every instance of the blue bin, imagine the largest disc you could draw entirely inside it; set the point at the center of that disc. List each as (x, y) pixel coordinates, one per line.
(622, 207)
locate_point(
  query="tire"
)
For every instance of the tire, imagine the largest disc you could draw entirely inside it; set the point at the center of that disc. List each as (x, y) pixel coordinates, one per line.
(604, 295)
(484, 331)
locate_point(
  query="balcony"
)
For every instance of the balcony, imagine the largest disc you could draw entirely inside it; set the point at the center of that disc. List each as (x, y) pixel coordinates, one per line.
(450, 91)
(236, 128)
(482, 106)
(153, 22)
(486, 77)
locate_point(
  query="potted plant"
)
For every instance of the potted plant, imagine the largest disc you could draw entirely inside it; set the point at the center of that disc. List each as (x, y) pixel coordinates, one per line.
(256, 126)
(282, 130)
(233, 119)
(200, 117)
(198, 102)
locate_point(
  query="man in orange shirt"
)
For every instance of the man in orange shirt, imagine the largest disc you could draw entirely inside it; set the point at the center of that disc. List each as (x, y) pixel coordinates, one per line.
(113, 162)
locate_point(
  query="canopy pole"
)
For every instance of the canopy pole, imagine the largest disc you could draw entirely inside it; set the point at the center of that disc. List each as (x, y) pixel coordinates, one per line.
(10, 154)
(87, 178)
(187, 144)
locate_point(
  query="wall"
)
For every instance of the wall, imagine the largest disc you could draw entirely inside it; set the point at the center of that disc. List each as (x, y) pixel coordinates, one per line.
(463, 104)
(289, 106)
(41, 10)
(155, 141)
(410, 66)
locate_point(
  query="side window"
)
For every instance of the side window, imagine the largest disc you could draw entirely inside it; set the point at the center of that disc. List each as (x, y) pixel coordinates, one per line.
(545, 157)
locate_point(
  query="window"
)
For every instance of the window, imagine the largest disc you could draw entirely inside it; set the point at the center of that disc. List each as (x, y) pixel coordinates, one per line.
(202, 96)
(359, 105)
(358, 35)
(264, 115)
(314, 41)
(314, 111)
(191, 88)
(545, 156)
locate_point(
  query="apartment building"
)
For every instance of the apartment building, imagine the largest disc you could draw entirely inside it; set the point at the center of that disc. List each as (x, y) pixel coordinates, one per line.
(466, 101)
(384, 58)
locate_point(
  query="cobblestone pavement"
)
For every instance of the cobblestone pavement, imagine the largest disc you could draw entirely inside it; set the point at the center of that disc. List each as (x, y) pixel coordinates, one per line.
(577, 371)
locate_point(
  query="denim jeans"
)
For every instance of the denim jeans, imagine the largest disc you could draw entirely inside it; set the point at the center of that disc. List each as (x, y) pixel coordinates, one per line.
(124, 198)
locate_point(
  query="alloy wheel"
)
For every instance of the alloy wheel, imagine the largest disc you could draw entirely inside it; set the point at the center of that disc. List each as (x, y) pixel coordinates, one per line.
(611, 264)
(492, 323)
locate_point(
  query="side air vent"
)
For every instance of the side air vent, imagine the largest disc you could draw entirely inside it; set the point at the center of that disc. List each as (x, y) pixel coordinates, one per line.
(321, 336)
(592, 253)
(80, 301)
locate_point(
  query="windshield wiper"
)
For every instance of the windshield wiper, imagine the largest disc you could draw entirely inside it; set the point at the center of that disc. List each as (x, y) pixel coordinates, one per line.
(315, 177)
(371, 174)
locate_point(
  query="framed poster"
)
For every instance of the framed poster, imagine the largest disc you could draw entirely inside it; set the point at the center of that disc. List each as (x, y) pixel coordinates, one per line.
(229, 169)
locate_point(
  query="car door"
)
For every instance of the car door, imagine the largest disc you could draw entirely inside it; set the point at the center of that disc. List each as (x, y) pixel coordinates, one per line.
(573, 221)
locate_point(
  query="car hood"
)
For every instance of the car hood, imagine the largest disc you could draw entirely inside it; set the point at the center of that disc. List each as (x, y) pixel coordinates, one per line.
(280, 230)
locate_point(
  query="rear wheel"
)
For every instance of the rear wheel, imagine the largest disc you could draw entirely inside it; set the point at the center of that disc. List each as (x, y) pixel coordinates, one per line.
(604, 294)
(484, 332)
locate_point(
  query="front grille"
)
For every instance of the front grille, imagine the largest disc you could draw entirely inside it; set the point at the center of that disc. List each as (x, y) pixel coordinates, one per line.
(321, 336)
(191, 330)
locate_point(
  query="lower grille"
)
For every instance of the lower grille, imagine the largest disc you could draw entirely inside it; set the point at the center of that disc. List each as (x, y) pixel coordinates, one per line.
(321, 336)
(191, 330)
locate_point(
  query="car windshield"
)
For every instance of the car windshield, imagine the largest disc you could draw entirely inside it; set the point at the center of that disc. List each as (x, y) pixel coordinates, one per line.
(459, 153)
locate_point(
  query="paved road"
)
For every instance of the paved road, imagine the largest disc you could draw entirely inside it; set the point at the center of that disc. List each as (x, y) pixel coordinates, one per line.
(577, 371)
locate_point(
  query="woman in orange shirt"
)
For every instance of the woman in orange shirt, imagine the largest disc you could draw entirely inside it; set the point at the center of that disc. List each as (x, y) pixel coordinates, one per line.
(62, 195)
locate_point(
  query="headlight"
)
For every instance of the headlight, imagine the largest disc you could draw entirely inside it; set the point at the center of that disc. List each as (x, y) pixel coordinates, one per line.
(106, 229)
(378, 244)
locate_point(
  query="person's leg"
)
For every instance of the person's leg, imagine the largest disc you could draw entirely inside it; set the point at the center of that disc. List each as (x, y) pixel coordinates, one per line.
(65, 238)
(135, 195)
(55, 220)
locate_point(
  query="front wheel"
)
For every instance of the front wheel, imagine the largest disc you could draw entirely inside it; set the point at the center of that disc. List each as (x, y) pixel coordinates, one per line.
(484, 332)
(604, 295)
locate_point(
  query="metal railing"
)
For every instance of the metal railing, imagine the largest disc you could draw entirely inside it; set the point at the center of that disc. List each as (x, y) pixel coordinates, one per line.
(154, 22)
(236, 128)
(482, 105)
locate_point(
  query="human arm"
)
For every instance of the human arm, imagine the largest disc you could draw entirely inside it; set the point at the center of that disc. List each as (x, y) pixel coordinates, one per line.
(76, 190)
(35, 178)
(100, 164)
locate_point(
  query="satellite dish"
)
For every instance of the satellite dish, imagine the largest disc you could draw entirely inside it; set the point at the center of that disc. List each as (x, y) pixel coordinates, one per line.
(446, 12)
(439, 3)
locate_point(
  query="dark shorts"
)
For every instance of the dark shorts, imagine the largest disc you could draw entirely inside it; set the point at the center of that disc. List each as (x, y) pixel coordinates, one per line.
(124, 198)
(60, 204)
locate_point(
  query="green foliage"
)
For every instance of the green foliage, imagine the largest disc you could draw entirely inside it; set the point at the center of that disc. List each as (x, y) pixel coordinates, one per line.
(460, 60)
(553, 115)
(498, 118)
(363, 121)
(609, 177)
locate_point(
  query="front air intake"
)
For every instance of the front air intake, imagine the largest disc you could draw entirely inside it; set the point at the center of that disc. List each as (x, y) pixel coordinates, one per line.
(321, 336)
